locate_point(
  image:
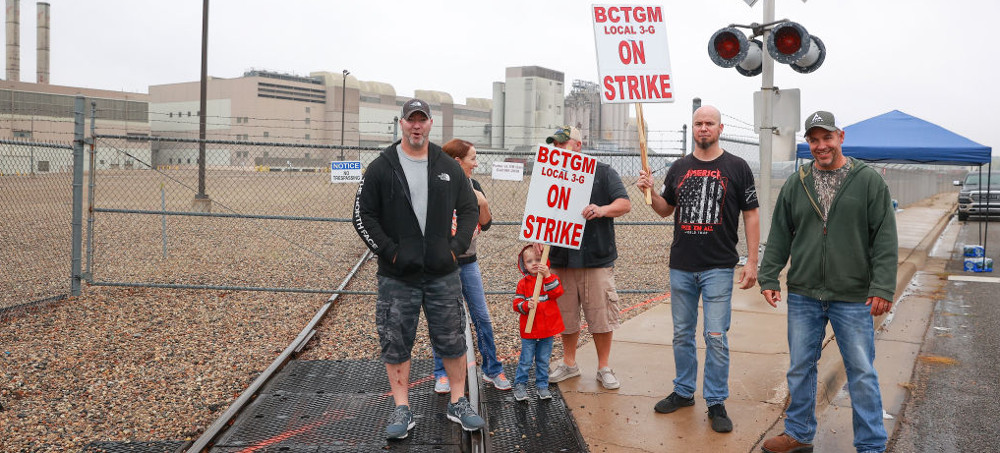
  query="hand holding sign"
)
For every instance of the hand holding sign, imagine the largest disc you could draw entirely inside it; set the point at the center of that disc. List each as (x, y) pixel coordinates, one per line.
(642, 147)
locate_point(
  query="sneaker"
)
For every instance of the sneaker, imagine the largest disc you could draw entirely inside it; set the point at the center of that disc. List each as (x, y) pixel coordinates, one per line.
(720, 420)
(520, 392)
(607, 377)
(441, 385)
(563, 372)
(499, 381)
(544, 393)
(672, 403)
(400, 423)
(785, 444)
(462, 413)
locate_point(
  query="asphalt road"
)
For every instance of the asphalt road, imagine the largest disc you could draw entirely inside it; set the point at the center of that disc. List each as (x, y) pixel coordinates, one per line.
(955, 400)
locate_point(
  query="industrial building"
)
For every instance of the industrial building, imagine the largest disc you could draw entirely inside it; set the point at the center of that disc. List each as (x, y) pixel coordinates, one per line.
(323, 108)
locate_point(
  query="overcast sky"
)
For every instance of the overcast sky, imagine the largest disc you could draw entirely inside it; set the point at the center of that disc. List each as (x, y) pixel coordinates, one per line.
(931, 59)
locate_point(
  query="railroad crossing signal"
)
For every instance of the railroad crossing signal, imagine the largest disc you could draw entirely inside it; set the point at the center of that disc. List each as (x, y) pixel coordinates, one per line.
(787, 43)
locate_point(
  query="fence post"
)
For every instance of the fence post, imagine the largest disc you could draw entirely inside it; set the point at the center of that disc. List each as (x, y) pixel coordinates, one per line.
(77, 223)
(91, 170)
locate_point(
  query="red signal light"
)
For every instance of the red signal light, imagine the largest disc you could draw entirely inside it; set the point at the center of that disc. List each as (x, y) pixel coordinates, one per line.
(787, 40)
(727, 45)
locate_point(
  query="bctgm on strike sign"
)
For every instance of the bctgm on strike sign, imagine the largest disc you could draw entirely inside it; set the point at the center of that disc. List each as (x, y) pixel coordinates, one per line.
(346, 171)
(561, 182)
(633, 60)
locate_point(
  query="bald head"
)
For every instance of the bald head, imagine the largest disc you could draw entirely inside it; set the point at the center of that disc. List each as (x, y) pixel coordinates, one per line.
(707, 128)
(709, 112)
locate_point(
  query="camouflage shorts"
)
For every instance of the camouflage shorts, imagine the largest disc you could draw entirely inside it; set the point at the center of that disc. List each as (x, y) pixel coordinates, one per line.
(397, 312)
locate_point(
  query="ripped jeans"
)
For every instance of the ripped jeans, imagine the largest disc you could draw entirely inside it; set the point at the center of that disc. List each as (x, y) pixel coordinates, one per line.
(715, 288)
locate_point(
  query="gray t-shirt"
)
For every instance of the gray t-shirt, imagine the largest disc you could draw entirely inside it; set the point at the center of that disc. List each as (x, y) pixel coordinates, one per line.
(416, 177)
(827, 183)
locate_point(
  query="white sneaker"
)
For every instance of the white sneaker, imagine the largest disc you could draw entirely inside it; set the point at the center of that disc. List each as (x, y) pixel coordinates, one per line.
(607, 377)
(563, 372)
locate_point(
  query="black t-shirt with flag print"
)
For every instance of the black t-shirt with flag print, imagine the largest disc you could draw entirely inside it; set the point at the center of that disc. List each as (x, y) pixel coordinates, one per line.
(709, 198)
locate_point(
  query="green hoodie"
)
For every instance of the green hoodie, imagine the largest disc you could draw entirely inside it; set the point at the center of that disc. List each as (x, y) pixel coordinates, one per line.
(851, 257)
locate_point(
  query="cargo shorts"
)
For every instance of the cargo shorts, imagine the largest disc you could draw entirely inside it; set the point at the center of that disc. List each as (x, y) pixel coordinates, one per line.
(397, 313)
(591, 290)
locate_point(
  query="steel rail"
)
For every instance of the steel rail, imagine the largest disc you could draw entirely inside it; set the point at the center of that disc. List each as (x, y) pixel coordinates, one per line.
(478, 440)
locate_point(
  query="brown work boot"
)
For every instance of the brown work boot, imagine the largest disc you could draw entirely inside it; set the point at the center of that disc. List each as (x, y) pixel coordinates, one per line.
(785, 444)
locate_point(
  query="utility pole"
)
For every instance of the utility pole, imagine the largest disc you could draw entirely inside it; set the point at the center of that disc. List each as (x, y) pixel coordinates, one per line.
(343, 111)
(766, 132)
(201, 201)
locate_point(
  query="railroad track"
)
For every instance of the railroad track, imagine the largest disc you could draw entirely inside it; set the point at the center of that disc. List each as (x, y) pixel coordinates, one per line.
(472, 442)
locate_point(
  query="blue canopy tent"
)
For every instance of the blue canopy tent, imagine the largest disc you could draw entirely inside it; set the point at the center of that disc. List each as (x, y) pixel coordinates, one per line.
(896, 137)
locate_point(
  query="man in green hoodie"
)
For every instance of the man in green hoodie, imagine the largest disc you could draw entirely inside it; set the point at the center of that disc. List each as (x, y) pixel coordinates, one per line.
(834, 218)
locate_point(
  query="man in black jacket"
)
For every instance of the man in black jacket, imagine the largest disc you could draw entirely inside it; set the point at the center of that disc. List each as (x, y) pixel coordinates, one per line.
(403, 212)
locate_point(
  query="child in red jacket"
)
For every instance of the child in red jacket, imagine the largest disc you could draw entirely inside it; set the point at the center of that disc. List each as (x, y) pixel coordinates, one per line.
(536, 346)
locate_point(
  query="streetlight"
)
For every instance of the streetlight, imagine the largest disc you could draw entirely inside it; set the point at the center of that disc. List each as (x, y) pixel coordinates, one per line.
(343, 111)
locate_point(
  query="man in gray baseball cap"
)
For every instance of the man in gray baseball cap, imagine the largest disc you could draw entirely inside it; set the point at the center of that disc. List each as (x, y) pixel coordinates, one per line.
(416, 247)
(842, 273)
(821, 119)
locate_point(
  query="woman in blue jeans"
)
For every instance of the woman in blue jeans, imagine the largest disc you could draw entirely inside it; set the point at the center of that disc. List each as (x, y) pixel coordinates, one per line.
(472, 281)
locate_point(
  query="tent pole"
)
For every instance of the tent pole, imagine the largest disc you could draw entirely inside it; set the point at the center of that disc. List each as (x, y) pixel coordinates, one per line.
(979, 187)
(989, 190)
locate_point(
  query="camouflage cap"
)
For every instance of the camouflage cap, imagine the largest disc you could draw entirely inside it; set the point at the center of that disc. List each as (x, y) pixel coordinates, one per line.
(565, 134)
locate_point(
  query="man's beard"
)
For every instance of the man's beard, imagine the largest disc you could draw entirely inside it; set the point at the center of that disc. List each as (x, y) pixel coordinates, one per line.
(420, 144)
(706, 143)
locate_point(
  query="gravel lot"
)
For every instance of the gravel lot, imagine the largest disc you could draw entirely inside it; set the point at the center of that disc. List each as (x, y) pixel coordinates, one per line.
(144, 364)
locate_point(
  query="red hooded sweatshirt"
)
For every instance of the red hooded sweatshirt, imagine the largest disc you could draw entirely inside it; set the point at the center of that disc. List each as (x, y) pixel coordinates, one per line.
(548, 322)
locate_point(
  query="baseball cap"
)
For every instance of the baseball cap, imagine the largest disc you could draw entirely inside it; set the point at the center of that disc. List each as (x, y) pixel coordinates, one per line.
(821, 119)
(565, 134)
(416, 105)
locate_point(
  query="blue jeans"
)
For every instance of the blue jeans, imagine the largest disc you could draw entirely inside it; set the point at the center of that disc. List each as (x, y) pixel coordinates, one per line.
(853, 327)
(715, 287)
(475, 298)
(537, 352)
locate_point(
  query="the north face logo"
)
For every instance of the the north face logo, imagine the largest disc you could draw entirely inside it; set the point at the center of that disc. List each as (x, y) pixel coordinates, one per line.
(444, 177)
(816, 119)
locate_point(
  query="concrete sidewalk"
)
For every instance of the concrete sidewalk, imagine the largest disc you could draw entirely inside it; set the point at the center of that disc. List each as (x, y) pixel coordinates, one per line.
(623, 420)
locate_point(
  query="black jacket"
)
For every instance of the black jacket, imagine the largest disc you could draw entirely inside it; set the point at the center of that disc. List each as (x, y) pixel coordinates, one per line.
(384, 218)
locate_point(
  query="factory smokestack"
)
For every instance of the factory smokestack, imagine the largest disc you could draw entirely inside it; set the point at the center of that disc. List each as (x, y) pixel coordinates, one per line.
(43, 43)
(13, 40)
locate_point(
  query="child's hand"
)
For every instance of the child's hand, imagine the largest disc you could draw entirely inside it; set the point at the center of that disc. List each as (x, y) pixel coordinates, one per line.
(542, 269)
(532, 304)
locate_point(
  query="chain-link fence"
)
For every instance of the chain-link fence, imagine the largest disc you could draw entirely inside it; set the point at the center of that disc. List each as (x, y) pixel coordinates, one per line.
(272, 220)
(269, 218)
(35, 241)
(276, 221)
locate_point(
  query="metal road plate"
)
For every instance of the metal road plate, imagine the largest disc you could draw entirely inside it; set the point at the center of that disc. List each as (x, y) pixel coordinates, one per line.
(340, 406)
(533, 425)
